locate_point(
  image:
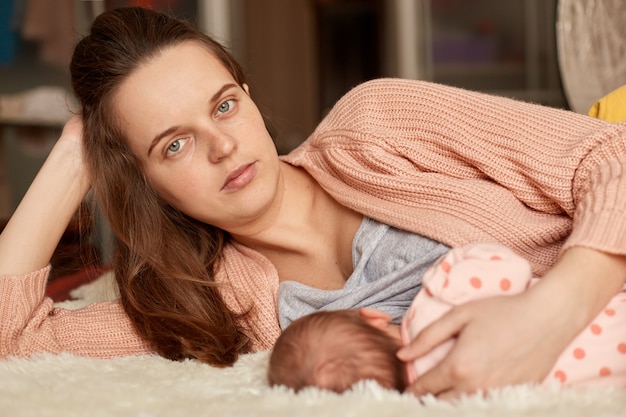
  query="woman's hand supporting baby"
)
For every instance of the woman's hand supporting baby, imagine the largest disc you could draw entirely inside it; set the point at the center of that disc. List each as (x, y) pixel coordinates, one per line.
(533, 328)
(59, 187)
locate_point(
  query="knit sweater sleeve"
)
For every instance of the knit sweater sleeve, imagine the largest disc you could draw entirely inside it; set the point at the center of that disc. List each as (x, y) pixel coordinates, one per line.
(478, 166)
(30, 324)
(250, 284)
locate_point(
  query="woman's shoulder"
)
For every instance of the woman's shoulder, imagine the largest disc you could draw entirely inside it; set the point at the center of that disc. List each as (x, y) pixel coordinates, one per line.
(398, 90)
(379, 90)
(394, 102)
(385, 86)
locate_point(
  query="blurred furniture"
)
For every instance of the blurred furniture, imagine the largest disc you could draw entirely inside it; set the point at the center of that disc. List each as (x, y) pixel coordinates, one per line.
(591, 38)
(506, 48)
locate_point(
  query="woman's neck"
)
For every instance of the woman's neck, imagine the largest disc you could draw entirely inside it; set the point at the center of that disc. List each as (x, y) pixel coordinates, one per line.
(309, 230)
(292, 216)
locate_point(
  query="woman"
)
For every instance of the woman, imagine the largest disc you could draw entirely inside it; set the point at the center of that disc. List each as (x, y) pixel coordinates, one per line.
(209, 219)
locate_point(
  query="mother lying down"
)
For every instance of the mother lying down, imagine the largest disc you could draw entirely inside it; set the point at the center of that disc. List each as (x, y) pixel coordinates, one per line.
(216, 235)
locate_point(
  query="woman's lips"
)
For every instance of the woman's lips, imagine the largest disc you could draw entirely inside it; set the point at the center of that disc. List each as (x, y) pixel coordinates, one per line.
(239, 178)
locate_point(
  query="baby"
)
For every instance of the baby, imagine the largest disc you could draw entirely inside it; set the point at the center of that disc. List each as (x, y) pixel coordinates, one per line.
(334, 349)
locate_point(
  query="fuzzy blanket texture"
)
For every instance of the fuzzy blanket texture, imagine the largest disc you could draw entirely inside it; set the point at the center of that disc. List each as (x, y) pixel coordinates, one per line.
(66, 385)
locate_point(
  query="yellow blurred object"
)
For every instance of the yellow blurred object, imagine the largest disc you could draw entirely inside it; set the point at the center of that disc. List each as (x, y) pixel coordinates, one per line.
(611, 107)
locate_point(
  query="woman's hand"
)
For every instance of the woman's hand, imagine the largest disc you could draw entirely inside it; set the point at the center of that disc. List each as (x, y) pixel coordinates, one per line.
(70, 143)
(33, 232)
(500, 341)
(517, 339)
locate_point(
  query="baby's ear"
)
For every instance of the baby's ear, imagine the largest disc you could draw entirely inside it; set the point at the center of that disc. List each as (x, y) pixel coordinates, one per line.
(375, 318)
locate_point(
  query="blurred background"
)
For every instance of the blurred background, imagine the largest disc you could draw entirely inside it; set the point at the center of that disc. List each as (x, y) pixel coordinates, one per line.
(302, 55)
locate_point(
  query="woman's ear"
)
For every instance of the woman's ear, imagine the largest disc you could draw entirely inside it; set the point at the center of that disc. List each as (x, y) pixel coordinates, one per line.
(246, 88)
(375, 318)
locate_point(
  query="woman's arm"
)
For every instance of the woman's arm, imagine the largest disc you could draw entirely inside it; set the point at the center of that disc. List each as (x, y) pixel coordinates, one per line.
(532, 328)
(28, 321)
(33, 232)
(463, 167)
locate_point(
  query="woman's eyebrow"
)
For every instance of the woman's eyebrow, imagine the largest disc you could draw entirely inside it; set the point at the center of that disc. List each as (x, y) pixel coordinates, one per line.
(160, 136)
(219, 93)
(169, 130)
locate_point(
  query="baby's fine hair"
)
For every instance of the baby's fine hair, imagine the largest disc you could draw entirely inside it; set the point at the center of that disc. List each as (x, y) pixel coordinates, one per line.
(333, 350)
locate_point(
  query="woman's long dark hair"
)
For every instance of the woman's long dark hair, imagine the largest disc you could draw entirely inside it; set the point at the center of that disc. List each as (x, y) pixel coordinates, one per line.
(164, 260)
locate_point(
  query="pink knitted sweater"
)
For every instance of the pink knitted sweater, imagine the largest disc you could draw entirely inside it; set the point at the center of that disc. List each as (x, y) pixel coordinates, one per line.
(453, 165)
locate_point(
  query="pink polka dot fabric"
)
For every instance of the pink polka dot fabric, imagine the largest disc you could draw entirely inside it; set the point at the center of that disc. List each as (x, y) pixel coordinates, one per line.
(596, 357)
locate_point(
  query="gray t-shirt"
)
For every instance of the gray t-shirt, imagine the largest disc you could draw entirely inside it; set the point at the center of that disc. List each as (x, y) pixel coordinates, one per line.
(388, 268)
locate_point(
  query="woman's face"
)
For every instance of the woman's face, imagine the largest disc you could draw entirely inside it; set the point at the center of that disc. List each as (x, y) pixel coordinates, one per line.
(202, 141)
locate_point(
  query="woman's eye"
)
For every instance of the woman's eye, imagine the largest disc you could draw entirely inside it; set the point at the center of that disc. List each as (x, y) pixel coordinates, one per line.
(175, 146)
(225, 107)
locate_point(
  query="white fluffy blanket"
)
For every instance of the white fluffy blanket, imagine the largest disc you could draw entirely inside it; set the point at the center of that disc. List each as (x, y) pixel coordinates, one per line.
(66, 385)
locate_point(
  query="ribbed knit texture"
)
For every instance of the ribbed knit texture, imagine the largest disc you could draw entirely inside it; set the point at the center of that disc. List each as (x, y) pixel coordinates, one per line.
(461, 167)
(453, 165)
(29, 324)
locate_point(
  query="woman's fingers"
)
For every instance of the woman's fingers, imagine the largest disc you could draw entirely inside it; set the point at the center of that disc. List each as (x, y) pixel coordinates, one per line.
(453, 376)
(443, 379)
(435, 382)
(498, 342)
(447, 327)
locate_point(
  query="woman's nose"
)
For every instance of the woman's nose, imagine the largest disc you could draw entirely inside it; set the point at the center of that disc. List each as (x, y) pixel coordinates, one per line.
(221, 145)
